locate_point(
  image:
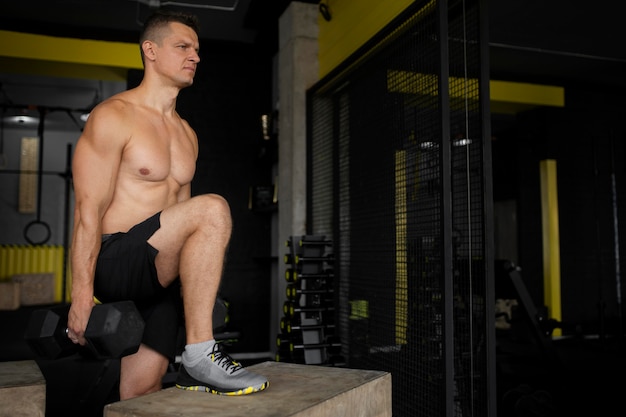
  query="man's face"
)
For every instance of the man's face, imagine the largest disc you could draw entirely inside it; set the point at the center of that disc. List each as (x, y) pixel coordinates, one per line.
(178, 53)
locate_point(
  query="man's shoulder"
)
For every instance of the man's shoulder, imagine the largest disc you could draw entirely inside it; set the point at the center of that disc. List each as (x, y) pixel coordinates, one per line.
(123, 99)
(118, 105)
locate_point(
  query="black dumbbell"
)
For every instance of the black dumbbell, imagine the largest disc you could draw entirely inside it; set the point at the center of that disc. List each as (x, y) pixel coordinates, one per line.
(289, 326)
(332, 344)
(290, 309)
(114, 330)
(293, 275)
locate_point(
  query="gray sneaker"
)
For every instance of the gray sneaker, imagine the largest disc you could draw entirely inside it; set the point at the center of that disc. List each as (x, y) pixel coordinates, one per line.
(226, 377)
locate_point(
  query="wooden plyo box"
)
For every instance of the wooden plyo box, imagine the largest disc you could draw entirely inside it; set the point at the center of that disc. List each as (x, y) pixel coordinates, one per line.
(9, 295)
(36, 289)
(295, 391)
(22, 389)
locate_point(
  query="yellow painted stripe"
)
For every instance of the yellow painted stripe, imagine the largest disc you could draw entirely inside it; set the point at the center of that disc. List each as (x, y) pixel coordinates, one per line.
(402, 289)
(62, 69)
(428, 84)
(69, 50)
(551, 244)
(525, 95)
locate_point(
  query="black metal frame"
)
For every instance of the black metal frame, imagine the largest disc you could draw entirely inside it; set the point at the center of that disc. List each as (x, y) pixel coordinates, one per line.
(478, 373)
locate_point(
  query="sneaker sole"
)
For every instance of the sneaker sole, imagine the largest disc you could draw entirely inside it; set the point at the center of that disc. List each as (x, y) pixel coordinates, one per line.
(188, 383)
(203, 388)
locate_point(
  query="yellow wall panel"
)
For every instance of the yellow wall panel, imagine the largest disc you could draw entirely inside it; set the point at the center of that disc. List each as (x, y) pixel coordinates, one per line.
(551, 240)
(62, 69)
(69, 50)
(35, 259)
(352, 24)
(25, 53)
(526, 93)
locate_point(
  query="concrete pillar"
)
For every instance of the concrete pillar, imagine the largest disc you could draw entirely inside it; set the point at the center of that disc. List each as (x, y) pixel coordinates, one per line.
(297, 71)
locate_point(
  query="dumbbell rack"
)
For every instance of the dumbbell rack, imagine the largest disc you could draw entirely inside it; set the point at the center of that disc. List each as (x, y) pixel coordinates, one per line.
(307, 328)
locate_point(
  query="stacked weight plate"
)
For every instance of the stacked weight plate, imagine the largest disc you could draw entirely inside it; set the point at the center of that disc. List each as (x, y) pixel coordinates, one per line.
(307, 328)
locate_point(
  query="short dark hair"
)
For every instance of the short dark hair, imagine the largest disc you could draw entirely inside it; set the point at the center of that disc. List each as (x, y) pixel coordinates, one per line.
(160, 18)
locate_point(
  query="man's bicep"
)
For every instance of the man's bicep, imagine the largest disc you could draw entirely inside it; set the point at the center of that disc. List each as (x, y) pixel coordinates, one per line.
(94, 172)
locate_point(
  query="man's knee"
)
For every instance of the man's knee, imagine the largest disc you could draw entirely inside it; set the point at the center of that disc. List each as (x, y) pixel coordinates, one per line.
(215, 210)
(142, 373)
(215, 202)
(140, 383)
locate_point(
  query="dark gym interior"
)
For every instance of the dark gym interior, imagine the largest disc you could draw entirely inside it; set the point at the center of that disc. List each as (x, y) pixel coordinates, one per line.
(567, 43)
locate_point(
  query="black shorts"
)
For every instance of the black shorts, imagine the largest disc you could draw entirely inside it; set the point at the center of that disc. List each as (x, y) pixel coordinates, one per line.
(125, 270)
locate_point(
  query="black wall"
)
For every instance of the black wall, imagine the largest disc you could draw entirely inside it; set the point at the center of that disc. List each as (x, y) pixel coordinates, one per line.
(587, 140)
(231, 91)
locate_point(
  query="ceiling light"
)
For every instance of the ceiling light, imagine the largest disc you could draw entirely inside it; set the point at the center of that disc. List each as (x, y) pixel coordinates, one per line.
(21, 120)
(427, 145)
(462, 142)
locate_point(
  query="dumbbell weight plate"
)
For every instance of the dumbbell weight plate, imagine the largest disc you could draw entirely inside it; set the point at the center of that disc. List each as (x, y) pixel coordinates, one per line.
(45, 333)
(114, 330)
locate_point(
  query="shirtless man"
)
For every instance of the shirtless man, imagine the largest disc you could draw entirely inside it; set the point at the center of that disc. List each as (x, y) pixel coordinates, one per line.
(138, 234)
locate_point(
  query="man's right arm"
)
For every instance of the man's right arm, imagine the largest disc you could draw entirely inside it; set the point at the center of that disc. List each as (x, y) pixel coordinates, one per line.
(95, 168)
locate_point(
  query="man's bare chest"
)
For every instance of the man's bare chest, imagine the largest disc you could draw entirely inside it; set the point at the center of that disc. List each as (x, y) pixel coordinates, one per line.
(159, 157)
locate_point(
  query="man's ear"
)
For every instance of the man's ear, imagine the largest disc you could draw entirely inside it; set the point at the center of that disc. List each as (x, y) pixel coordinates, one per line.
(148, 49)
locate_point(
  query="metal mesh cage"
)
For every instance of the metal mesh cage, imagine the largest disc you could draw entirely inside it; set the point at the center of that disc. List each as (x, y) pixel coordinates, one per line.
(397, 179)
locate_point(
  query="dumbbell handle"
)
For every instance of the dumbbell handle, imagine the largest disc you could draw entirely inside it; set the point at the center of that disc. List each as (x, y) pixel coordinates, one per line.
(67, 333)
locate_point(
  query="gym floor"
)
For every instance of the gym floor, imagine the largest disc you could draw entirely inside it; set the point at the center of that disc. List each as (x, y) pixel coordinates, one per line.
(563, 376)
(570, 376)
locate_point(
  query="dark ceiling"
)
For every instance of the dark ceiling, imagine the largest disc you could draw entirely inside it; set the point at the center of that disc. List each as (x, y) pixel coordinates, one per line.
(557, 42)
(120, 20)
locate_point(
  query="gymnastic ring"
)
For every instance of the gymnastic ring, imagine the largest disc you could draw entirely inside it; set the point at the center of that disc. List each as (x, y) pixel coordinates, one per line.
(30, 225)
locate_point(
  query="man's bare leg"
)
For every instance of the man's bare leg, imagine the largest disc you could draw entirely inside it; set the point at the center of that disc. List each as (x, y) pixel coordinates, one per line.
(178, 242)
(192, 244)
(142, 373)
